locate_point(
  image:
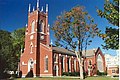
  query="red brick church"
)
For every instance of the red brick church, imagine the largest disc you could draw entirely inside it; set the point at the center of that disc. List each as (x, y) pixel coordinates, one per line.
(47, 60)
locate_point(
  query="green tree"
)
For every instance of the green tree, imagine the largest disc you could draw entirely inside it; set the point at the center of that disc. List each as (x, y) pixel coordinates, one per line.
(18, 37)
(74, 30)
(111, 13)
(6, 55)
(10, 50)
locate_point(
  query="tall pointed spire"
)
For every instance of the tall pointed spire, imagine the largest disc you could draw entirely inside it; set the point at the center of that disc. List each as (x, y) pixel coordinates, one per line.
(46, 7)
(33, 8)
(29, 7)
(37, 4)
(42, 9)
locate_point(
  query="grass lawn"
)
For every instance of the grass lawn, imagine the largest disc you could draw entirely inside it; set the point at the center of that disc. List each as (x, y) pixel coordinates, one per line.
(69, 78)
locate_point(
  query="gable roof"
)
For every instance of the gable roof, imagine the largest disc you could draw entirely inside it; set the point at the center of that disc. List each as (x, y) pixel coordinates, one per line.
(90, 52)
(63, 51)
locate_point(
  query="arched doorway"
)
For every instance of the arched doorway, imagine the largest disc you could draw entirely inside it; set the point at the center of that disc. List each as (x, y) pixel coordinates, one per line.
(100, 66)
(56, 70)
(30, 64)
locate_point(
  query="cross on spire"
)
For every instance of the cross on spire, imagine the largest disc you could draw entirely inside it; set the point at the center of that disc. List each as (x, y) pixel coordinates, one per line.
(46, 7)
(29, 7)
(37, 4)
(42, 9)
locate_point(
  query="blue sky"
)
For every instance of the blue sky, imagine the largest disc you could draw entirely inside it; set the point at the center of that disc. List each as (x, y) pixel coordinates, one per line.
(13, 14)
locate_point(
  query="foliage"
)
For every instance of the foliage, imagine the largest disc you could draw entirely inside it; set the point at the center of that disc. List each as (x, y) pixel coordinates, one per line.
(115, 75)
(70, 73)
(6, 55)
(111, 38)
(111, 13)
(74, 30)
(101, 73)
(10, 45)
(73, 26)
(18, 41)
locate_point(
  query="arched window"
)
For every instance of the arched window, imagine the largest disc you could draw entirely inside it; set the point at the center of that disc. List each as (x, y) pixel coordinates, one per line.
(30, 64)
(33, 27)
(100, 66)
(69, 64)
(41, 27)
(63, 63)
(46, 63)
(55, 58)
(75, 64)
(31, 47)
(90, 62)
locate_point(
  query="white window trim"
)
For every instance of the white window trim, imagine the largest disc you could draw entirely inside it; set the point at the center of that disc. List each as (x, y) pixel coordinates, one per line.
(33, 27)
(63, 64)
(89, 60)
(30, 65)
(100, 59)
(69, 64)
(31, 47)
(42, 26)
(75, 64)
(42, 32)
(45, 70)
(56, 61)
(45, 64)
(23, 63)
(32, 32)
(113, 71)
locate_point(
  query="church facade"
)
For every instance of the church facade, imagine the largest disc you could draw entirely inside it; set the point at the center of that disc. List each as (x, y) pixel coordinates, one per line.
(47, 60)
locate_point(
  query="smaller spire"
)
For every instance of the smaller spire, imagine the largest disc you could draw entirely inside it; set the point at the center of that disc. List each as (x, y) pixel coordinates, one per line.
(26, 25)
(37, 4)
(33, 8)
(29, 7)
(48, 25)
(51, 42)
(46, 7)
(42, 9)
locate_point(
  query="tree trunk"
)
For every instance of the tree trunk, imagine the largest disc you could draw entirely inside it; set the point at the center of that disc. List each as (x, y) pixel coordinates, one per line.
(81, 68)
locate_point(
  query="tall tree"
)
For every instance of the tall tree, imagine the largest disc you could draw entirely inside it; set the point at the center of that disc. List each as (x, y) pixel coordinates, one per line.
(6, 55)
(111, 13)
(18, 37)
(10, 49)
(74, 30)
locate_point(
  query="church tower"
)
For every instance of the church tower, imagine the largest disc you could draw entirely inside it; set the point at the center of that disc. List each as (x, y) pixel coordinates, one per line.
(37, 51)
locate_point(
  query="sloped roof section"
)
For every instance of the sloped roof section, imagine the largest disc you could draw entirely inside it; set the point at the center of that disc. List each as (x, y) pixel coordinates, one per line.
(88, 53)
(63, 51)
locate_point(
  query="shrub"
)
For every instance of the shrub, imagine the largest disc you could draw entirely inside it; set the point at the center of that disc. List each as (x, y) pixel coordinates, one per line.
(115, 75)
(101, 73)
(65, 73)
(4, 75)
(71, 73)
